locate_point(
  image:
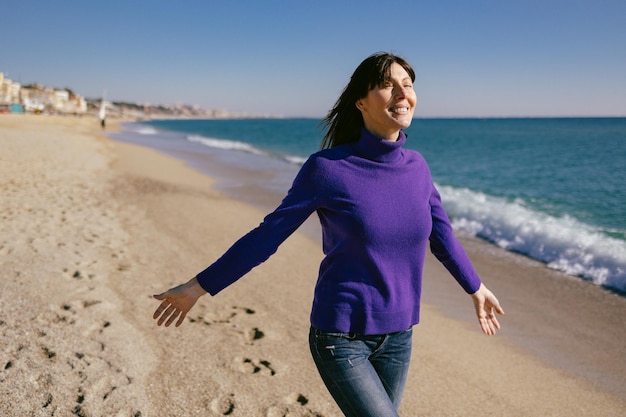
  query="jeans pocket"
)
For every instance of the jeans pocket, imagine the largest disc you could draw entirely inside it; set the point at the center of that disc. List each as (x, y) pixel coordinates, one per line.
(326, 344)
(339, 348)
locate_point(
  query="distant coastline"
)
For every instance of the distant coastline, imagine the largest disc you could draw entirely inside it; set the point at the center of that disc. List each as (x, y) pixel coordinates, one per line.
(137, 111)
(38, 98)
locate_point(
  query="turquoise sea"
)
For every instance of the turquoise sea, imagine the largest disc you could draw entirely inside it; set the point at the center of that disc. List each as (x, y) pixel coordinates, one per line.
(551, 189)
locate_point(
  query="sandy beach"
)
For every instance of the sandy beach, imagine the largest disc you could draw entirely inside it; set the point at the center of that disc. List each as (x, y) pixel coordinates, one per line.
(91, 228)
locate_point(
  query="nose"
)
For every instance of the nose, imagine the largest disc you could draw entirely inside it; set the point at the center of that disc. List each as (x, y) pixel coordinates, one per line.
(399, 91)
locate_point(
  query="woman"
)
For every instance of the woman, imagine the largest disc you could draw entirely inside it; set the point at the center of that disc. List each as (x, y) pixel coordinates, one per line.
(379, 210)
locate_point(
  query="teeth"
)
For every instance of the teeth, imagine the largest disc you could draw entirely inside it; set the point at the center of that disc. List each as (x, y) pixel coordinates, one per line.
(400, 110)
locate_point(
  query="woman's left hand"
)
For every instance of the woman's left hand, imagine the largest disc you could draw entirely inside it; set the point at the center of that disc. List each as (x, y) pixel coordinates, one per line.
(486, 305)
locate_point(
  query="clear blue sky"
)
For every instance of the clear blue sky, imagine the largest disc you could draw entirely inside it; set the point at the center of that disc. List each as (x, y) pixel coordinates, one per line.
(472, 57)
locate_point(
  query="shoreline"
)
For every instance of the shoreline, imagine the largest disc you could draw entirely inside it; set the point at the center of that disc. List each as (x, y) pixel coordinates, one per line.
(563, 236)
(444, 296)
(95, 225)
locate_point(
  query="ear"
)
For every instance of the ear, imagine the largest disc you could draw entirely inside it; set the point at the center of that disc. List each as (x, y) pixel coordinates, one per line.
(359, 104)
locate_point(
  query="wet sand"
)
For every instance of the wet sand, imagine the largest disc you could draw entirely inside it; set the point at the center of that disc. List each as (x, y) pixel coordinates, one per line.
(92, 227)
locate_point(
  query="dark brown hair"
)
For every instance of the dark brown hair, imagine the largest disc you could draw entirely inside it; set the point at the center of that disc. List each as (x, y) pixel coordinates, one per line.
(344, 121)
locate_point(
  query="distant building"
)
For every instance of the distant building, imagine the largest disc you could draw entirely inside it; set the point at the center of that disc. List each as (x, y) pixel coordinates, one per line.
(64, 102)
(38, 98)
(9, 91)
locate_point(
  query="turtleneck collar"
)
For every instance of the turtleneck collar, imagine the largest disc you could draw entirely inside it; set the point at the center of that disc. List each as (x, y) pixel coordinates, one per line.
(376, 149)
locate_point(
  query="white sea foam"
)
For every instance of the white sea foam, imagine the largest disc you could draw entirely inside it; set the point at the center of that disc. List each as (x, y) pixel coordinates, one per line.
(563, 243)
(296, 160)
(243, 147)
(226, 144)
(145, 130)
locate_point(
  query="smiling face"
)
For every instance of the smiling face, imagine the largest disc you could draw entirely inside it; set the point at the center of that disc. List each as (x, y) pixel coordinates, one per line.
(389, 107)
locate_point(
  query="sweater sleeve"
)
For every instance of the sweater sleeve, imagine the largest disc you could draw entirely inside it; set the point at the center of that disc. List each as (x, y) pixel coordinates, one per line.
(448, 250)
(260, 243)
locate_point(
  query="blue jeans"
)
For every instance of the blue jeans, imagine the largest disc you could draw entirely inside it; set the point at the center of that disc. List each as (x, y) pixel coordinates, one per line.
(364, 374)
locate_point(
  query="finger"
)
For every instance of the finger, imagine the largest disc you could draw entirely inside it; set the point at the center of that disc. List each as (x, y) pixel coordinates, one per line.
(159, 296)
(489, 330)
(492, 316)
(482, 326)
(495, 321)
(487, 325)
(160, 309)
(499, 309)
(496, 305)
(173, 317)
(482, 321)
(166, 314)
(180, 319)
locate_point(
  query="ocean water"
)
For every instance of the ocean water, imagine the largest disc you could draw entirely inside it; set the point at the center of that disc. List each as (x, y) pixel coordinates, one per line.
(551, 189)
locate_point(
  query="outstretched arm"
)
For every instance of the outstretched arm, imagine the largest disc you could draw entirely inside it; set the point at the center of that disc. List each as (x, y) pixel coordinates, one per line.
(486, 305)
(177, 302)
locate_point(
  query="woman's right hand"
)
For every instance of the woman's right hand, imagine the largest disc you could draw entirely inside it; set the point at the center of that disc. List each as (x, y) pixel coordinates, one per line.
(177, 302)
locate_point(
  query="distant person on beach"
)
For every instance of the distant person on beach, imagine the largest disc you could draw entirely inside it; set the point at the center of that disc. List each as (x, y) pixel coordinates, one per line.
(379, 211)
(102, 114)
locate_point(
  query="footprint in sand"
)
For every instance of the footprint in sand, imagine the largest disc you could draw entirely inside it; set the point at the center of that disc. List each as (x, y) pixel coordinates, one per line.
(251, 335)
(294, 407)
(220, 316)
(223, 405)
(254, 366)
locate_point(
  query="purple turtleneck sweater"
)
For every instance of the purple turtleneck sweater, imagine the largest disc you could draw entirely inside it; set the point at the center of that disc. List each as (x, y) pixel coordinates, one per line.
(378, 208)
